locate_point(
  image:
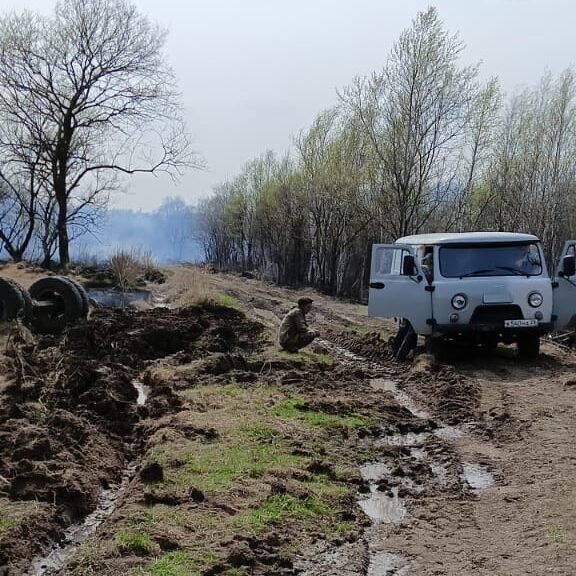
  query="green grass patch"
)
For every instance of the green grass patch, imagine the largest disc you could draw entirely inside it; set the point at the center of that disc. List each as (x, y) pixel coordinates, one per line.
(252, 399)
(5, 526)
(320, 485)
(294, 408)
(226, 300)
(556, 535)
(215, 468)
(316, 357)
(159, 514)
(278, 507)
(179, 563)
(259, 432)
(305, 356)
(134, 541)
(340, 529)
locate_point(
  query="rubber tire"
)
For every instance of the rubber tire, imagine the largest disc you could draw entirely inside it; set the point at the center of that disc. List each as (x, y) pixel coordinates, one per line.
(528, 346)
(408, 343)
(82, 292)
(28, 306)
(15, 302)
(73, 306)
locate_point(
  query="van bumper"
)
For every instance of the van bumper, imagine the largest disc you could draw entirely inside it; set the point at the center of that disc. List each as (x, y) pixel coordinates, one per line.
(496, 328)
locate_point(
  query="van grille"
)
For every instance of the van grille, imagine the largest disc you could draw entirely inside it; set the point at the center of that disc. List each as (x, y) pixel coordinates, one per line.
(496, 314)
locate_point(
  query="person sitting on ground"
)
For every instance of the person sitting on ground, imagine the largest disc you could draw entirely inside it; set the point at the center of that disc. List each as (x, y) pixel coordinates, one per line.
(294, 333)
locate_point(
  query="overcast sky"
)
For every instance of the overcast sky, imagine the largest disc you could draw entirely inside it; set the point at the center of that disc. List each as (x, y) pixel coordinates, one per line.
(253, 73)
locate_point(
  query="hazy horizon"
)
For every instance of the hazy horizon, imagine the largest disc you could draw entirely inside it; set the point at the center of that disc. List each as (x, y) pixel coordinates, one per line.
(253, 74)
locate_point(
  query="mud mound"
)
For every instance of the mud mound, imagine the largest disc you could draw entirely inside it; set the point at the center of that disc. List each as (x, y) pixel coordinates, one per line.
(370, 345)
(452, 397)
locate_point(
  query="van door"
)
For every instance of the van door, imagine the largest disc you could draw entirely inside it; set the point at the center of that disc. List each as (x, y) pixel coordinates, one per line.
(564, 309)
(396, 292)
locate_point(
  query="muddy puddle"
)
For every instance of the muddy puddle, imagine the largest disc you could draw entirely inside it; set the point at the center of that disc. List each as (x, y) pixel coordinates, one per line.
(118, 299)
(443, 432)
(386, 564)
(477, 476)
(143, 392)
(388, 385)
(109, 298)
(57, 558)
(385, 507)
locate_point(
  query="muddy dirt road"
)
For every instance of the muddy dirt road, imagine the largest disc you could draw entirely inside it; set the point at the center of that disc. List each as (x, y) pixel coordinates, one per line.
(181, 442)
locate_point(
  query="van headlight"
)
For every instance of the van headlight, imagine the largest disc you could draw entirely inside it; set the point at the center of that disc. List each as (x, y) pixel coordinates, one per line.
(535, 299)
(459, 301)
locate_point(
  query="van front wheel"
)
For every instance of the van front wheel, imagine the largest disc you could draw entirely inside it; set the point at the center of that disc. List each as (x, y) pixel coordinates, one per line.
(529, 346)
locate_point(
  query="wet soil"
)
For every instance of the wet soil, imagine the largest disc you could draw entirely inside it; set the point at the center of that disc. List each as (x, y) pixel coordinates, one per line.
(70, 415)
(247, 460)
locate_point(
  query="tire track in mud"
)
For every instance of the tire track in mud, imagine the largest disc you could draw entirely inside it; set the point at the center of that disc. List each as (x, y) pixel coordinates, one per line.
(431, 393)
(385, 502)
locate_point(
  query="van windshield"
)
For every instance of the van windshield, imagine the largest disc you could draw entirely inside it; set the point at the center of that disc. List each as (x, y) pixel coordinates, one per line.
(490, 260)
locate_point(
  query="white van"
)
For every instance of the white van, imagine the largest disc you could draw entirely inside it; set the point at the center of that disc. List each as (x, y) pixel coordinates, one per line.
(485, 287)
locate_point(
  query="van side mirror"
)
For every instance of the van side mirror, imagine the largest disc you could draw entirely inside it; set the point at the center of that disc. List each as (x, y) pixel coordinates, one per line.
(568, 266)
(408, 265)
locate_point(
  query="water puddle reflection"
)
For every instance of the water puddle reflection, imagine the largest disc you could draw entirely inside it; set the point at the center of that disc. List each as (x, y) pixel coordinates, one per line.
(142, 390)
(477, 476)
(381, 507)
(387, 385)
(117, 299)
(58, 557)
(384, 508)
(386, 564)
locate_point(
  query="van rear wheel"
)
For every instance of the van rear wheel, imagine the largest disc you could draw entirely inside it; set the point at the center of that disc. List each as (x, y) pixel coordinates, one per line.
(528, 346)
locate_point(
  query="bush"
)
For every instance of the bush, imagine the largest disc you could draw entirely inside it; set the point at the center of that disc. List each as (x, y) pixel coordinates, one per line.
(127, 268)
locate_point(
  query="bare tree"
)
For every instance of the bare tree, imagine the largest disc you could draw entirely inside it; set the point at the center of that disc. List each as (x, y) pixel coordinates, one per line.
(333, 156)
(414, 114)
(22, 179)
(532, 177)
(95, 76)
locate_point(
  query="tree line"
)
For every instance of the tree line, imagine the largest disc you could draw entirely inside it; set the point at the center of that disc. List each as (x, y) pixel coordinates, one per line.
(420, 146)
(86, 98)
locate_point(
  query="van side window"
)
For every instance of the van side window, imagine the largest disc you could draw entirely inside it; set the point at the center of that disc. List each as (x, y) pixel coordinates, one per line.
(389, 261)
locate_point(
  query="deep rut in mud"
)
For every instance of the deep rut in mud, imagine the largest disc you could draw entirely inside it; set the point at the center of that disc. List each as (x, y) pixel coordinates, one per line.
(70, 432)
(425, 464)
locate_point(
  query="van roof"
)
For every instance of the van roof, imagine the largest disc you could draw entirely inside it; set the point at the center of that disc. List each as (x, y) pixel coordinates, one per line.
(466, 238)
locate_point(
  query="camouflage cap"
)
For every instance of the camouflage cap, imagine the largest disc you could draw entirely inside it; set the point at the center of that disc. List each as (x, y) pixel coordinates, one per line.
(304, 301)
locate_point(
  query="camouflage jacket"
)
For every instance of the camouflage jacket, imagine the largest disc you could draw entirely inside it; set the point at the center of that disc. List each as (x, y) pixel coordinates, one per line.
(293, 325)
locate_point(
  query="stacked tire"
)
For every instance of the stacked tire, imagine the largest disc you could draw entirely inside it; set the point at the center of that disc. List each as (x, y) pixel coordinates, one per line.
(15, 302)
(58, 302)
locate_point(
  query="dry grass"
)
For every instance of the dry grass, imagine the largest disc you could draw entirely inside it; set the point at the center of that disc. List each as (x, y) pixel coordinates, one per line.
(127, 268)
(191, 286)
(148, 265)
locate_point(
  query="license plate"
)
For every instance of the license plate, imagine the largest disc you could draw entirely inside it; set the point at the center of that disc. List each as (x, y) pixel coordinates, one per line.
(520, 323)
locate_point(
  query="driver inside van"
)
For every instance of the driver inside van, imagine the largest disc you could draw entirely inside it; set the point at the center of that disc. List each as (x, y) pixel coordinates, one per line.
(426, 261)
(525, 260)
(428, 267)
